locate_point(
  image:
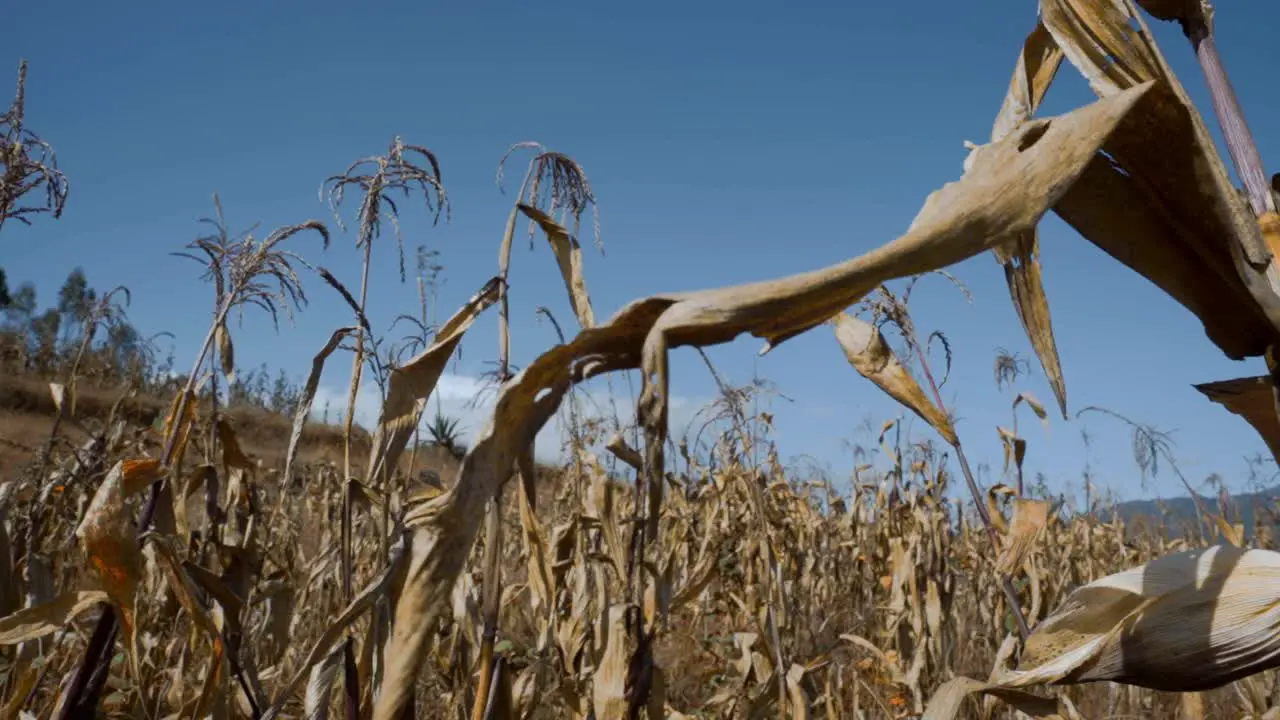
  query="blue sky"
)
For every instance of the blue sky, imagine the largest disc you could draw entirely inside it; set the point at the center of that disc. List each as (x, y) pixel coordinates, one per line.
(725, 144)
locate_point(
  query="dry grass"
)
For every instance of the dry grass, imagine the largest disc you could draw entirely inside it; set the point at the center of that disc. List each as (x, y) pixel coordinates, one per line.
(27, 415)
(878, 597)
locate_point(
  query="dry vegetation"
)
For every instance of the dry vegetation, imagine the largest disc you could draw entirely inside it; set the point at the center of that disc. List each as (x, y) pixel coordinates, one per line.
(163, 566)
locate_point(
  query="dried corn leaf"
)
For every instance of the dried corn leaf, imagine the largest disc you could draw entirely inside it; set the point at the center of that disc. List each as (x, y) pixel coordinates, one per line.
(390, 577)
(1166, 209)
(1031, 402)
(1252, 398)
(1186, 622)
(535, 550)
(949, 699)
(1029, 520)
(226, 352)
(526, 693)
(1026, 287)
(994, 493)
(232, 455)
(1037, 65)
(797, 698)
(1232, 533)
(36, 622)
(869, 353)
(315, 704)
(183, 587)
(1098, 39)
(179, 428)
(1007, 188)
(609, 684)
(106, 533)
(445, 529)
(569, 257)
(309, 395)
(414, 381)
(1015, 448)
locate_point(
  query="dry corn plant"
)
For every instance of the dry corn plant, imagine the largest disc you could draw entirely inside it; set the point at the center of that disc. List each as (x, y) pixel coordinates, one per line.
(29, 164)
(377, 177)
(244, 272)
(722, 584)
(1030, 166)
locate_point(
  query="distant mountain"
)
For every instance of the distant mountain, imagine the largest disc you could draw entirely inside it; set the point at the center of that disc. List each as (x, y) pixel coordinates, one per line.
(1180, 512)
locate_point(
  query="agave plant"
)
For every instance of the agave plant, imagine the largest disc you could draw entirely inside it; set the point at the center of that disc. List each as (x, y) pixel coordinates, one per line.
(446, 433)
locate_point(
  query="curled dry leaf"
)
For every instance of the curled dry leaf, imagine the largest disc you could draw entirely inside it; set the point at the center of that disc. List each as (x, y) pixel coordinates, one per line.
(1031, 402)
(1252, 398)
(107, 536)
(232, 455)
(994, 493)
(1029, 520)
(1037, 65)
(315, 704)
(309, 395)
(226, 352)
(569, 257)
(1015, 448)
(36, 622)
(179, 428)
(1188, 621)
(1169, 209)
(949, 700)
(869, 353)
(410, 384)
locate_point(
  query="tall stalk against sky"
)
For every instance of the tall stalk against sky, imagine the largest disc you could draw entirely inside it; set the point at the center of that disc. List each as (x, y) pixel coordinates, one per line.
(377, 177)
(27, 163)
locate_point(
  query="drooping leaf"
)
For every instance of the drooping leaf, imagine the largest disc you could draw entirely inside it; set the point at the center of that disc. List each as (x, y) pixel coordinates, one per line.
(36, 622)
(949, 699)
(1029, 519)
(1037, 65)
(1188, 621)
(226, 353)
(569, 257)
(410, 384)
(610, 680)
(869, 353)
(106, 533)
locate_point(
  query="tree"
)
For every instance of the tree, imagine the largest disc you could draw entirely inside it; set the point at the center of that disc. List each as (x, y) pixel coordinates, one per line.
(124, 347)
(5, 298)
(22, 305)
(44, 336)
(75, 300)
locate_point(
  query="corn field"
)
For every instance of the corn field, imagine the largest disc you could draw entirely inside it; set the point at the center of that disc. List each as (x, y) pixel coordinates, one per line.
(164, 572)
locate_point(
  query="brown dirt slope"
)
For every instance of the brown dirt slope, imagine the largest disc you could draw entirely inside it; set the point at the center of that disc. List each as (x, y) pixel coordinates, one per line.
(27, 413)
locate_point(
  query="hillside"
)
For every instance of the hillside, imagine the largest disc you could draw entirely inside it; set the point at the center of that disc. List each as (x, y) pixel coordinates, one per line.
(27, 414)
(1179, 513)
